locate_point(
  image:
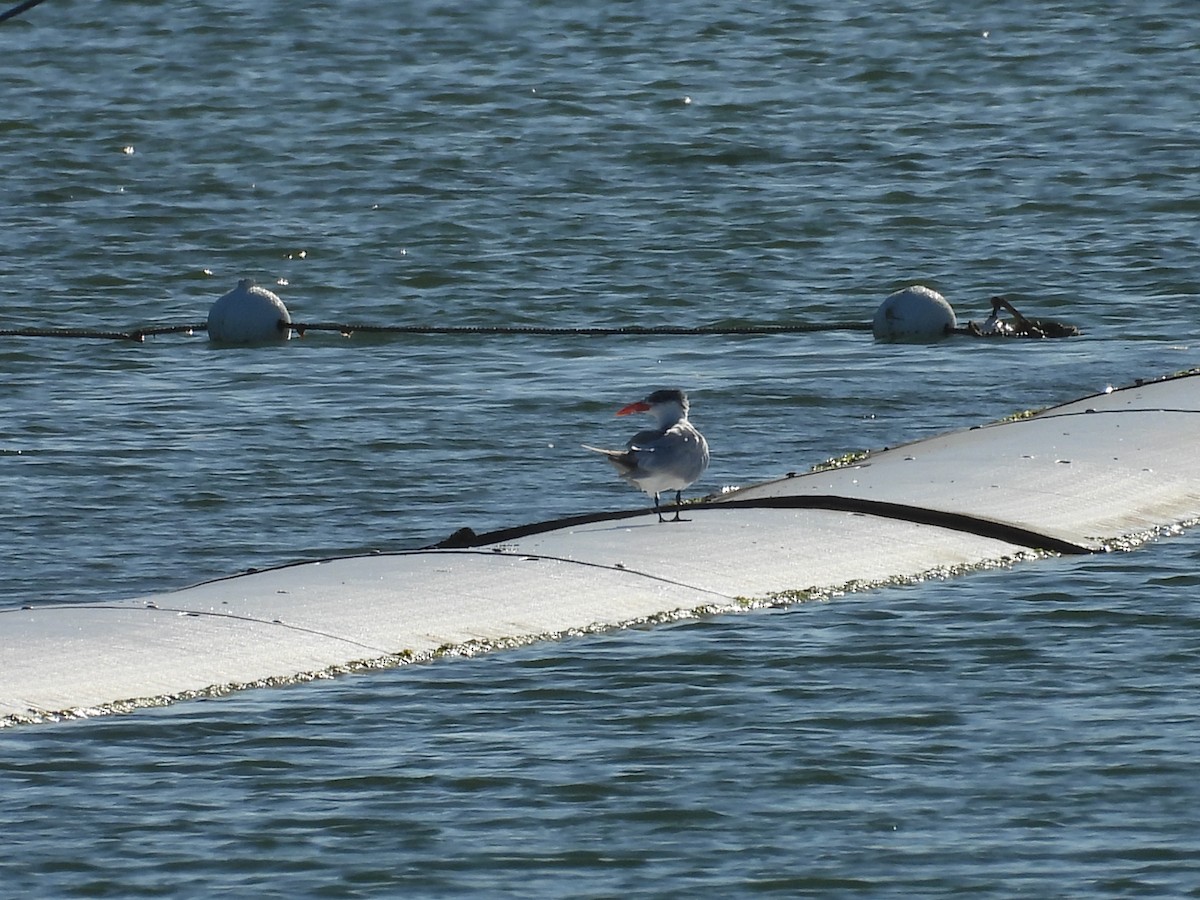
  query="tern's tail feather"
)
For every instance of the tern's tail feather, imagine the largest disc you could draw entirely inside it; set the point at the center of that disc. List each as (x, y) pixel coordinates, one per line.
(622, 460)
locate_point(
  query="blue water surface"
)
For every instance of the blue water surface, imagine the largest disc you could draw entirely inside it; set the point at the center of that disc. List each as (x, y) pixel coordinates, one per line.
(1027, 731)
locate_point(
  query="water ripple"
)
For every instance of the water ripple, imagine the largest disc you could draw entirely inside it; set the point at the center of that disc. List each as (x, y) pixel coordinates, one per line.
(1025, 731)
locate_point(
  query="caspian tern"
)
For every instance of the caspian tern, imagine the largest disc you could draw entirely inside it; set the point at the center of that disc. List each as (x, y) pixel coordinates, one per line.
(668, 457)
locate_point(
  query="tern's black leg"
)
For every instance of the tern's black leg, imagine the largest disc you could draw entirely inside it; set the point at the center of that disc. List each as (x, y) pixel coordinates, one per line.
(678, 503)
(658, 509)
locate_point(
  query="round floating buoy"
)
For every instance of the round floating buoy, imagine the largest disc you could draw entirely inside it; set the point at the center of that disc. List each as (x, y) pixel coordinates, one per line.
(914, 314)
(248, 314)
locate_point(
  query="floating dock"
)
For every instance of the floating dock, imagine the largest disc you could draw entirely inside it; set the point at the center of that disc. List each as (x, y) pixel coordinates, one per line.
(1102, 473)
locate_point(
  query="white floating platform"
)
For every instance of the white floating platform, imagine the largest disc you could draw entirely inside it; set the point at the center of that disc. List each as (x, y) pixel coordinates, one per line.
(1095, 472)
(1099, 473)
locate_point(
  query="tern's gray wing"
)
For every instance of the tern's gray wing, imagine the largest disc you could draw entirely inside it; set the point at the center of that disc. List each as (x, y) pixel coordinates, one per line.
(646, 440)
(668, 460)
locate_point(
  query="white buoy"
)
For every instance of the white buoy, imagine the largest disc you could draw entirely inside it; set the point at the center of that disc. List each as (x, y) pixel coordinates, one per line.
(914, 314)
(248, 314)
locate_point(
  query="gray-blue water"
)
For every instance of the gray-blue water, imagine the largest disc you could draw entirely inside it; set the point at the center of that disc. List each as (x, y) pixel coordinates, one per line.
(1019, 732)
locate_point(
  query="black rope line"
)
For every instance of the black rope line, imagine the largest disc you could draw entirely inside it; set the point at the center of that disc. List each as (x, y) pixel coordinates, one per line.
(66, 333)
(466, 538)
(347, 329)
(19, 8)
(469, 539)
(139, 335)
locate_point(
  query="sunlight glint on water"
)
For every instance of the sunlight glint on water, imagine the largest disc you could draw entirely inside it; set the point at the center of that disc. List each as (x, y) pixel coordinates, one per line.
(1028, 731)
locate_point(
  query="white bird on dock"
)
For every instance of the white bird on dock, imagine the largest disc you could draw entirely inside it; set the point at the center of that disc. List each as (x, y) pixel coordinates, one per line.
(668, 457)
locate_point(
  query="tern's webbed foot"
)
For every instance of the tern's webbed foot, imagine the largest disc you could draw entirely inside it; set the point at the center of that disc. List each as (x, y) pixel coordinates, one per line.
(678, 504)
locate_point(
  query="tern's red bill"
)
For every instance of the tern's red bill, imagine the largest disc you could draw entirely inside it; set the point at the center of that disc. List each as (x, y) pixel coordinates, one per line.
(639, 406)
